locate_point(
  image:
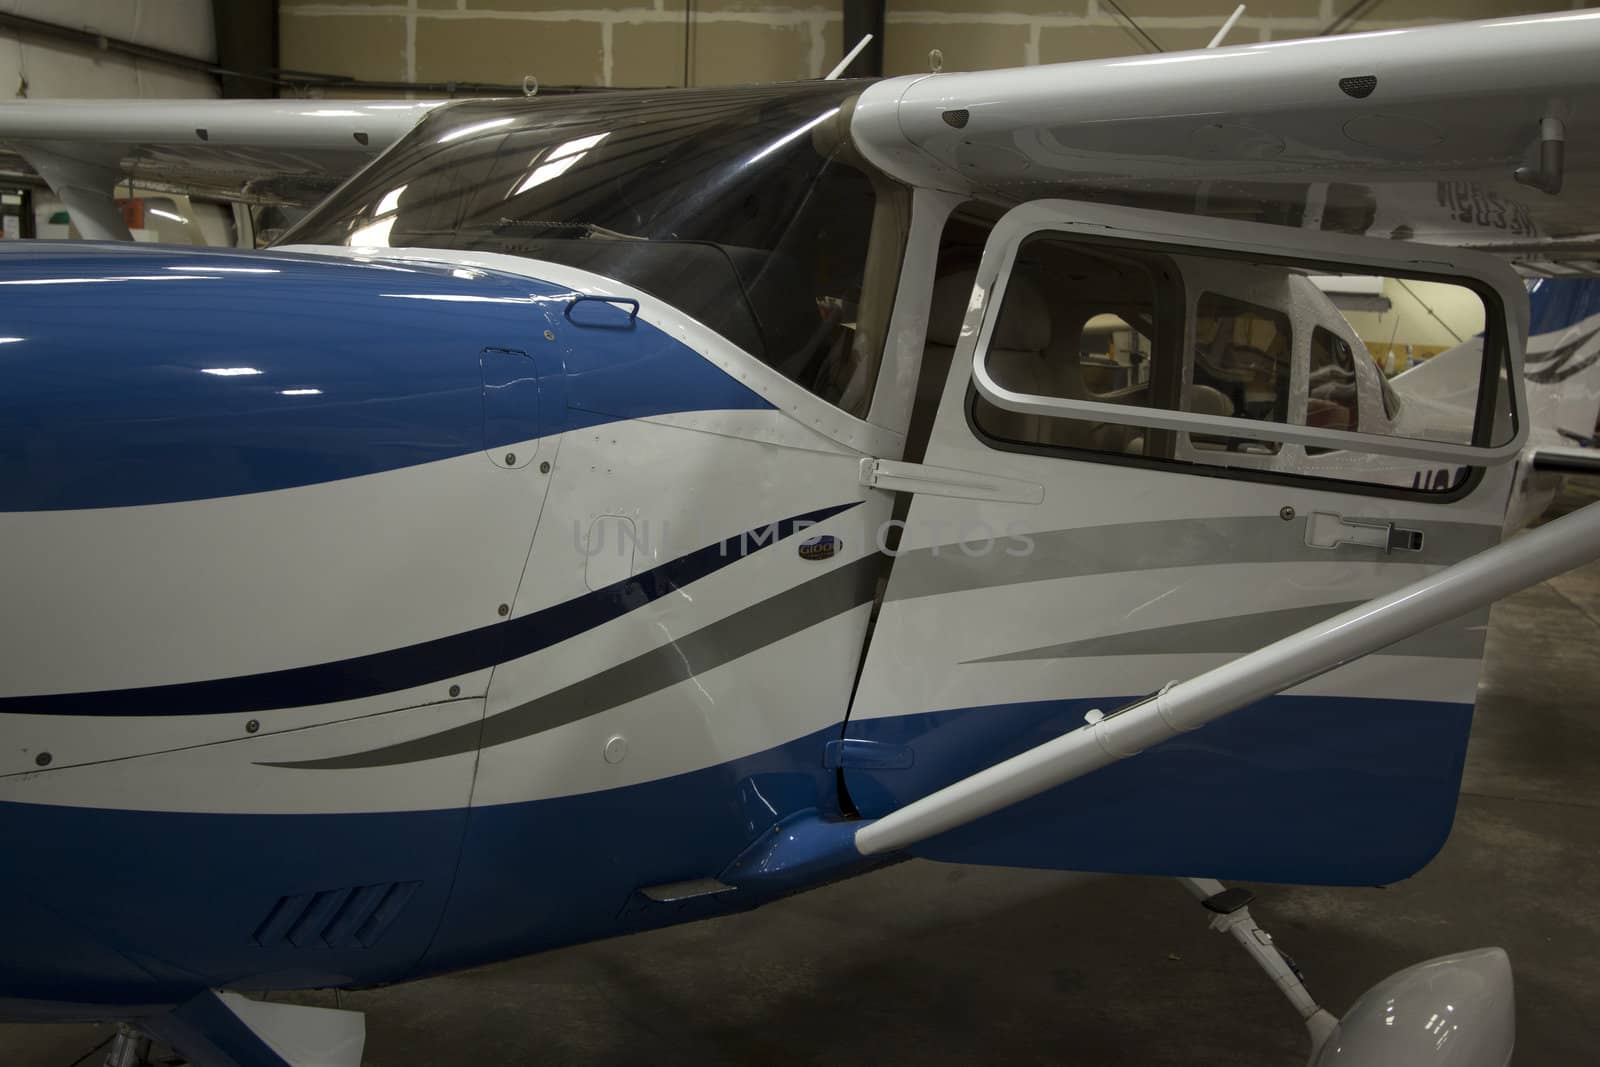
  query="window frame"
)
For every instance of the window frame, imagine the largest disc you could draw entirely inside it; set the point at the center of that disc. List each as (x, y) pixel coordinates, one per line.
(1180, 235)
(1459, 489)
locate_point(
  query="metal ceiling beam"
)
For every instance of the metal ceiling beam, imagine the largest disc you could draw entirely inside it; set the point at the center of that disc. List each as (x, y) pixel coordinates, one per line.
(247, 39)
(1134, 27)
(862, 17)
(268, 78)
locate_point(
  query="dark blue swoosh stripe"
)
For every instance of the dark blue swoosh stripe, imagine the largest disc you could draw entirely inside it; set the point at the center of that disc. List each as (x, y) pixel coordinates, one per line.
(430, 661)
(140, 375)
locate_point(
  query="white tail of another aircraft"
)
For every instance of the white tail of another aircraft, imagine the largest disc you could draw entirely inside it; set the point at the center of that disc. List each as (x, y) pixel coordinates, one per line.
(1561, 372)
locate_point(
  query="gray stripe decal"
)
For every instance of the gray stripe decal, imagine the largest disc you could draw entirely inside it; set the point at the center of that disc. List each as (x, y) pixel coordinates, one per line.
(1137, 546)
(709, 647)
(1237, 634)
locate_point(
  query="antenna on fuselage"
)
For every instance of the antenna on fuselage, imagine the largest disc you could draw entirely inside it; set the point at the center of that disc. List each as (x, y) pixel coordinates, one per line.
(849, 57)
(1226, 26)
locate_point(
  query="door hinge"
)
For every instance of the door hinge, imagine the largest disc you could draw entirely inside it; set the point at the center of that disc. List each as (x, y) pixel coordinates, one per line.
(896, 476)
(859, 754)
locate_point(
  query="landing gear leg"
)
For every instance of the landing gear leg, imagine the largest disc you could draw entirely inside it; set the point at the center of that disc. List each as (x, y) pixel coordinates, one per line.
(129, 1048)
(1230, 914)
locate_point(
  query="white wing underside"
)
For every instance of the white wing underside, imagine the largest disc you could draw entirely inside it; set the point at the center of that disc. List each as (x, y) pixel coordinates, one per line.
(1280, 132)
(261, 151)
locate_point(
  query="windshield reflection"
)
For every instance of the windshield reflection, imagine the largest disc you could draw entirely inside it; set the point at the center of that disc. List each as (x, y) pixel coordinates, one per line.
(745, 208)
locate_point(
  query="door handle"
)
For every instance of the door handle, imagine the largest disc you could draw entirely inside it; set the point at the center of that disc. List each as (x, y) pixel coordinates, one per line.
(597, 316)
(1324, 530)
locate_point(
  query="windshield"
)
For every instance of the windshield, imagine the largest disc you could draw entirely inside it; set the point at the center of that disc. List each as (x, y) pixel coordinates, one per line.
(746, 208)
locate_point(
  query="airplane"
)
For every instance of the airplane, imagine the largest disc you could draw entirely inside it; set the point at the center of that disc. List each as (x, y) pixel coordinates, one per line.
(607, 512)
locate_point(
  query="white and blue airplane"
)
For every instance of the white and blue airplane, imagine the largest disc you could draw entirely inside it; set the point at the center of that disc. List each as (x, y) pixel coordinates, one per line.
(608, 512)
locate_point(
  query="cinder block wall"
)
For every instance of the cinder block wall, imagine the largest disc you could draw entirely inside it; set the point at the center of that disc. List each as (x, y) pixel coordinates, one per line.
(973, 35)
(38, 68)
(561, 42)
(645, 42)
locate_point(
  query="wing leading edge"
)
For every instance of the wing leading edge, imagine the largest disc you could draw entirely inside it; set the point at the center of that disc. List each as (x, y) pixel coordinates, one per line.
(262, 151)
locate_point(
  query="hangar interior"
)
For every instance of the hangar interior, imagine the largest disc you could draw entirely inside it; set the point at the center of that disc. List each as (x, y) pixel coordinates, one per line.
(923, 961)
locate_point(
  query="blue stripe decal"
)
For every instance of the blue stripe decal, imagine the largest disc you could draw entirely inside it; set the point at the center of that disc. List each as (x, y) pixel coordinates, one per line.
(1295, 789)
(445, 657)
(69, 930)
(1307, 789)
(1557, 303)
(138, 374)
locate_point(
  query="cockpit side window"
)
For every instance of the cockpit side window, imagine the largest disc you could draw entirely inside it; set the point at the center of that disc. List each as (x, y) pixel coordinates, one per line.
(1085, 323)
(747, 209)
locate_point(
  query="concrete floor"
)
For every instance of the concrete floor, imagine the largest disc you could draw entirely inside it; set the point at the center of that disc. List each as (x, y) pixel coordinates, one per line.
(934, 964)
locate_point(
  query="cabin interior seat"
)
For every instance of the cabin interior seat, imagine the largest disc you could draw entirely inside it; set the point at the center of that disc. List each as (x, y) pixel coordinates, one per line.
(1206, 400)
(1065, 356)
(1016, 356)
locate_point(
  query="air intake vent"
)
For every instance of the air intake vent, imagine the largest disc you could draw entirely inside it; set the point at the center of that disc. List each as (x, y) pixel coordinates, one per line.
(353, 917)
(1359, 87)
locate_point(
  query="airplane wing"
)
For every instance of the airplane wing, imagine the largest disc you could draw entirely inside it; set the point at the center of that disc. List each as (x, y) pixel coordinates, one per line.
(258, 151)
(1415, 134)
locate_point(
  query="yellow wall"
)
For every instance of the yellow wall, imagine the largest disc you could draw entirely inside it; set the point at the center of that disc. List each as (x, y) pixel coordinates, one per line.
(1428, 316)
(642, 42)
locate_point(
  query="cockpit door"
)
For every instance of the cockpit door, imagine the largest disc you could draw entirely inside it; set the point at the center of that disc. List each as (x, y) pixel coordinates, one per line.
(1157, 449)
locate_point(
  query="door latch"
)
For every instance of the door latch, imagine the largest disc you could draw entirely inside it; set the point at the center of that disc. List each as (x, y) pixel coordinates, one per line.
(1330, 531)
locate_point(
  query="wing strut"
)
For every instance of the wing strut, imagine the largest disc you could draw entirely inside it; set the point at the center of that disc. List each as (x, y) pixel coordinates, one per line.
(1547, 176)
(84, 183)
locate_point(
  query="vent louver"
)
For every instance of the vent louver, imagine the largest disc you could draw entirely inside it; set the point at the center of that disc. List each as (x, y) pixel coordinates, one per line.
(352, 917)
(1359, 87)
